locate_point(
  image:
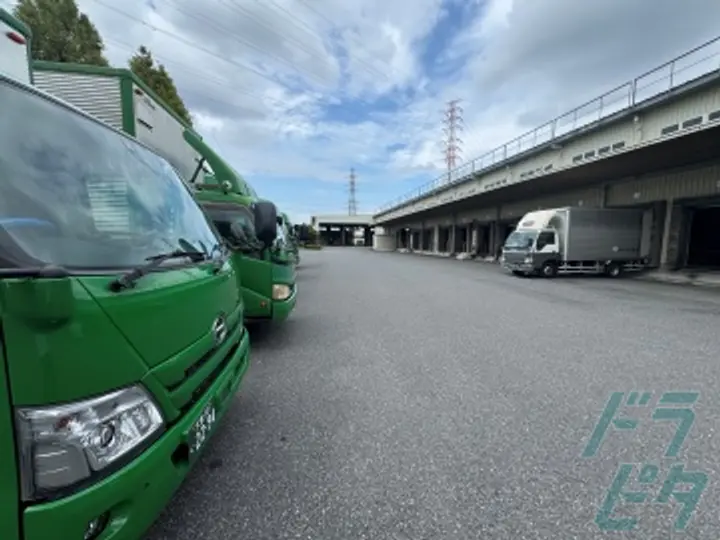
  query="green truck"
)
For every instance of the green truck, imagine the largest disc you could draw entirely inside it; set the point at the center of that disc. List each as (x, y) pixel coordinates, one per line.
(120, 99)
(268, 276)
(121, 321)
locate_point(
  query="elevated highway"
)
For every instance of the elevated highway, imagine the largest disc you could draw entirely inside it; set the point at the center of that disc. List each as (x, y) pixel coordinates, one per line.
(653, 142)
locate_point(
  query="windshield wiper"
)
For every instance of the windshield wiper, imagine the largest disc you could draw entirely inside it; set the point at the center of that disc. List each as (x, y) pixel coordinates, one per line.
(128, 280)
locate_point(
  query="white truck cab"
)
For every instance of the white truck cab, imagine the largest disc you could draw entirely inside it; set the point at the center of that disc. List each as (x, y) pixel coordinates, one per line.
(15, 38)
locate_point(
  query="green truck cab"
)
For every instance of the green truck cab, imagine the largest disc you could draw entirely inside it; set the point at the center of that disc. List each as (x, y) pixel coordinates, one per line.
(121, 334)
(120, 99)
(251, 229)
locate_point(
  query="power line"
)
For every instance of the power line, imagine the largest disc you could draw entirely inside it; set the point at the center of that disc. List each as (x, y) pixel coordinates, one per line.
(201, 74)
(453, 124)
(304, 27)
(205, 50)
(352, 201)
(187, 42)
(327, 19)
(453, 143)
(238, 39)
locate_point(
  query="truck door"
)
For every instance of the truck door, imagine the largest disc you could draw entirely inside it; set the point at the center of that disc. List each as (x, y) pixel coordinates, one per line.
(9, 495)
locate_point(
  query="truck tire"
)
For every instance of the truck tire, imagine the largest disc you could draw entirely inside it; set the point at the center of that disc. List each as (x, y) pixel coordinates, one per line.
(549, 270)
(613, 270)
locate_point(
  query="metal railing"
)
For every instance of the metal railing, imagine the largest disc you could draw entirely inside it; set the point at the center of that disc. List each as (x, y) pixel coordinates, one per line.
(689, 66)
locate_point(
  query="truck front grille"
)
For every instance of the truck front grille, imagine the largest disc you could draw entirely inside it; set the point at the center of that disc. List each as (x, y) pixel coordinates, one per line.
(185, 382)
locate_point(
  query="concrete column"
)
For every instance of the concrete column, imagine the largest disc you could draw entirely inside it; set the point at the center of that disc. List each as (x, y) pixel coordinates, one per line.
(436, 239)
(384, 239)
(656, 238)
(666, 233)
(450, 248)
(474, 238)
(494, 233)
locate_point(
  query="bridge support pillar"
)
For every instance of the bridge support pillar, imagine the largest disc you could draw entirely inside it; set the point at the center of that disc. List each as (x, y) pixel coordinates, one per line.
(494, 239)
(667, 223)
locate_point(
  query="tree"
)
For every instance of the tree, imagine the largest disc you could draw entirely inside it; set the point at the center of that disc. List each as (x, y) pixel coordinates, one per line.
(60, 32)
(159, 80)
(306, 234)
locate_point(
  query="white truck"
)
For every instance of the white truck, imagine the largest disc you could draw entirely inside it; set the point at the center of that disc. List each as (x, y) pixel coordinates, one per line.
(579, 240)
(120, 99)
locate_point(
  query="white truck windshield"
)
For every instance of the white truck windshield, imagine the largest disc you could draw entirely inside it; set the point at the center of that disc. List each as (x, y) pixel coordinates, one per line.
(520, 240)
(77, 194)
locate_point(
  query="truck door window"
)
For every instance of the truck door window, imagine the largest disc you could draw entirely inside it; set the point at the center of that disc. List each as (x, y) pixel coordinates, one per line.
(223, 215)
(546, 238)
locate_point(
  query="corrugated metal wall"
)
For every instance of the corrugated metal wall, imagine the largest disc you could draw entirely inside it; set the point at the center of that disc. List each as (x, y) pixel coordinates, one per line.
(685, 184)
(481, 215)
(95, 94)
(586, 197)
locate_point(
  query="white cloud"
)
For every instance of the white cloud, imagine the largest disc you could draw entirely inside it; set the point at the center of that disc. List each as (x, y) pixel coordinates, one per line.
(259, 75)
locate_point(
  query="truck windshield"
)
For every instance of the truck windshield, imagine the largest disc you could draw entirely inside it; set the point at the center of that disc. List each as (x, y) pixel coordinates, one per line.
(520, 240)
(77, 194)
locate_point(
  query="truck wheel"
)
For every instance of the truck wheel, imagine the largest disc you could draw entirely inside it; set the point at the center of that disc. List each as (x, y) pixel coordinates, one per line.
(613, 270)
(549, 270)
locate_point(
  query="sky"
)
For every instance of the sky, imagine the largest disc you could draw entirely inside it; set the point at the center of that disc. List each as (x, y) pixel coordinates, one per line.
(295, 93)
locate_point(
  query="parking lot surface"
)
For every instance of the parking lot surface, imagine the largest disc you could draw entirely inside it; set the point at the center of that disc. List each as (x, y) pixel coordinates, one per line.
(414, 398)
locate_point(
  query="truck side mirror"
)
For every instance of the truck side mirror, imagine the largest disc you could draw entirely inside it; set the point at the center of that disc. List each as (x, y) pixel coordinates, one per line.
(266, 223)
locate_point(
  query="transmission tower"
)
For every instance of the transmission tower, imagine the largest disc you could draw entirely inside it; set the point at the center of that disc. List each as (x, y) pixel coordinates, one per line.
(452, 125)
(352, 202)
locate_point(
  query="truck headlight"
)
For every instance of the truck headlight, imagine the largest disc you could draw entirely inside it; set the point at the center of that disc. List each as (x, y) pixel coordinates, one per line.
(527, 260)
(281, 292)
(65, 444)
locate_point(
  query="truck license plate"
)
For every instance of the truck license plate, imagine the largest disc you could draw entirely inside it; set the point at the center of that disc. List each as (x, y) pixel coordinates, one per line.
(200, 431)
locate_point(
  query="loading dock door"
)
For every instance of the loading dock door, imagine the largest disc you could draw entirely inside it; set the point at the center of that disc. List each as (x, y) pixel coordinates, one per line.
(704, 245)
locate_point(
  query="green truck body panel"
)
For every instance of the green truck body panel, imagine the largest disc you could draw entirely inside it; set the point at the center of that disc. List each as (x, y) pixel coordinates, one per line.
(55, 330)
(160, 332)
(256, 286)
(284, 274)
(9, 482)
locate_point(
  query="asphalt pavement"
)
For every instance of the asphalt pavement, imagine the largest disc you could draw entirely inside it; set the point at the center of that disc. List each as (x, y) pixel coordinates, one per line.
(414, 398)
